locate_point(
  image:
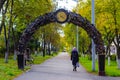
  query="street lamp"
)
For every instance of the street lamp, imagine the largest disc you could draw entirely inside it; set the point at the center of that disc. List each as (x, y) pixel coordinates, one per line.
(77, 36)
(93, 44)
(77, 40)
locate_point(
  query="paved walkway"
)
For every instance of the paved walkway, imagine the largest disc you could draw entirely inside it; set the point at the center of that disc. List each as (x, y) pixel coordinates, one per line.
(59, 68)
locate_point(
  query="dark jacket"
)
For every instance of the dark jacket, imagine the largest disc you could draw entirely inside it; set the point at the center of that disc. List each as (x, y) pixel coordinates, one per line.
(74, 57)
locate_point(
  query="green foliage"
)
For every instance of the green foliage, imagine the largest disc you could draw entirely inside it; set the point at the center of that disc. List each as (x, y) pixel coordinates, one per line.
(107, 18)
(87, 63)
(50, 34)
(70, 34)
(113, 57)
(8, 71)
(84, 41)
(70, 37)
(107, 13)
(111, 70)
(24, 12)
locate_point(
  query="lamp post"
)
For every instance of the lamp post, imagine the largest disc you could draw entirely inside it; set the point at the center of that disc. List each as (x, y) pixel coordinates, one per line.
(93, 45)
(77, 36)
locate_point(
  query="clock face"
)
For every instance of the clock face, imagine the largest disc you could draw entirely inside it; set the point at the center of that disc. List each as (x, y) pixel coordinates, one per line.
(61, 16)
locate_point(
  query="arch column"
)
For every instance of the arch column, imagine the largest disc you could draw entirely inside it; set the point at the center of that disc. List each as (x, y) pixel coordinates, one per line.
(28, 32)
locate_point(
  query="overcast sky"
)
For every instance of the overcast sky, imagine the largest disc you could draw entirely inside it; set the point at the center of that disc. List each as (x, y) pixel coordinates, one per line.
(66, 4)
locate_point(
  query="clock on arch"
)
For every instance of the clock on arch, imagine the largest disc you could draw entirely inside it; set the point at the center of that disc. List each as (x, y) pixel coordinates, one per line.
(61, 16)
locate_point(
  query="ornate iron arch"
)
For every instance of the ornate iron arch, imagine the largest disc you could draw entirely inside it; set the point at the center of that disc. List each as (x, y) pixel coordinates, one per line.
(74, 18)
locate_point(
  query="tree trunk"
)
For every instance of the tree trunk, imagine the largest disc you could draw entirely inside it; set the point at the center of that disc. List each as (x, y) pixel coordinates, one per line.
(7, 44)
(13, 32)
(9, 30)
(5, 36)
(108, 55)
(49, 51)
(3, 25)
(6, 49)
(15, 54)
(36, 47)
(43, 45)
(117, 44)
(14, 42)
(118, 62)
(1, 28)
(118, 57)
(108, 60)
(1, 4)
(83, 51)
(36, 52)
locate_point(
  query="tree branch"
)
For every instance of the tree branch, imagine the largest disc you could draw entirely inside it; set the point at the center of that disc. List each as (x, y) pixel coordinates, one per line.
(1, 4)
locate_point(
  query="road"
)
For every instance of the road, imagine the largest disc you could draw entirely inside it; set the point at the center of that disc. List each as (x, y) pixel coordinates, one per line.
(60, 68)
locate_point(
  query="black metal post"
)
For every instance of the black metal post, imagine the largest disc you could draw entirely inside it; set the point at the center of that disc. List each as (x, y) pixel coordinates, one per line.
(101, 63)
(20, 61)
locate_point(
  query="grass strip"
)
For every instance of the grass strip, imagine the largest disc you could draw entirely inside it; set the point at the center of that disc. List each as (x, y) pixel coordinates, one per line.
(8, 71)
(111, 70)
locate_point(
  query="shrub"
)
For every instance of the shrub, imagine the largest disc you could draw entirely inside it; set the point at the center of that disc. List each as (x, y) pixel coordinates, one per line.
(113, 57)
